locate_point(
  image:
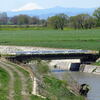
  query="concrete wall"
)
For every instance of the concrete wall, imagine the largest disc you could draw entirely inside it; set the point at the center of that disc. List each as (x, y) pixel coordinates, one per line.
(64, 64)
(92, 69)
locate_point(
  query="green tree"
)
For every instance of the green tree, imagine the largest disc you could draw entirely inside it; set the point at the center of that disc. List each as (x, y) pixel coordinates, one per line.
(23, 19)
(58, 21)
(96, 14)
(53, 22)
(89, 22)
(82, 21)
(63, 19)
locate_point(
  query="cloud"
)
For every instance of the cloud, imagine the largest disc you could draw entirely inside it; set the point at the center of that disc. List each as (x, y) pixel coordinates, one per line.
(29, 6)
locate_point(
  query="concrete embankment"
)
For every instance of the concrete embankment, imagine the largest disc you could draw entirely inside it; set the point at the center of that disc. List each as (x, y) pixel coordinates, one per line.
(90, 69)
(63, 64)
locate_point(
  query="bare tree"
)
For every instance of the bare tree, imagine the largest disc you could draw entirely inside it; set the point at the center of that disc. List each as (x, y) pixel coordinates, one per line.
(3, 18)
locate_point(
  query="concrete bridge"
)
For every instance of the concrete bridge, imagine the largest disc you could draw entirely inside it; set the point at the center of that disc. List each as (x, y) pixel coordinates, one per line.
(73, 57)
(85, 56)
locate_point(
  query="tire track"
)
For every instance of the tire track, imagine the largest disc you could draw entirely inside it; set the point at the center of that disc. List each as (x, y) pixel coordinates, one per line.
(11, 82)
(23, 79)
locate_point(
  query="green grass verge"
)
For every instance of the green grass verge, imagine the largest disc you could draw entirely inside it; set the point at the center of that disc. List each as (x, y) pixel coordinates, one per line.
(29, 80)
(4, 81)
(42, 68)
(75, 39)
(37, 98)
(97, 63)
(17, 87)
(57, 90)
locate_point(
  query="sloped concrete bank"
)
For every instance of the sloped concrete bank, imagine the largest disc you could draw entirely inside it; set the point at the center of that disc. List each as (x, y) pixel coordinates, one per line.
(90, 69)
(94, 69)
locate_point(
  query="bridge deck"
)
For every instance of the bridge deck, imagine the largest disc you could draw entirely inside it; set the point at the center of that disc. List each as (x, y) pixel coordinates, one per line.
(85, 56)
(66, 51)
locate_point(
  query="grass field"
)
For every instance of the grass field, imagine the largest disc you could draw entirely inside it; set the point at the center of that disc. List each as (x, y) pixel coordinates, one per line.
(97, 63)
(75, 39)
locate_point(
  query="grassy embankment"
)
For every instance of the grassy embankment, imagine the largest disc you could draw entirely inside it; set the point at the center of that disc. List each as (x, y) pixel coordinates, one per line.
(4, 81)
(75, 39)
(97, 63)
(17, 87)
(57, 90)
(52, 88)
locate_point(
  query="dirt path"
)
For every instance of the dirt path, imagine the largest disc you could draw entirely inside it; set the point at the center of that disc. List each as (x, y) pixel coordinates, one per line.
(23, 79)
(11, 82)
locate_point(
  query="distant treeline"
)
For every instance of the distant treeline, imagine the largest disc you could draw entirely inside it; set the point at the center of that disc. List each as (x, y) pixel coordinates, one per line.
(59, 21)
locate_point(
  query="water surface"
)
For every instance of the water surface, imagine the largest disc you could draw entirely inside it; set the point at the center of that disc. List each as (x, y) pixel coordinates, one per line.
(80, 77)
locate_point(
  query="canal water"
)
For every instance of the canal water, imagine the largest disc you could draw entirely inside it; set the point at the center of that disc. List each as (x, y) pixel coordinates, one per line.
(80, 77)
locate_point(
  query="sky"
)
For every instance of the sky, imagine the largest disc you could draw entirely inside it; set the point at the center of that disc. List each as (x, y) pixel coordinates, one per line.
(19, 5)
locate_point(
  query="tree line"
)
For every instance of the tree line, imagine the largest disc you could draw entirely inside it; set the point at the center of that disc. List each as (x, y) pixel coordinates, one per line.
(81, 21)
(59, 21)
(20, 20)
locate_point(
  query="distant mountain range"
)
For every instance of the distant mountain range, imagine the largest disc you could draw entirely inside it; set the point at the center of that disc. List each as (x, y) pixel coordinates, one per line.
(45, 13)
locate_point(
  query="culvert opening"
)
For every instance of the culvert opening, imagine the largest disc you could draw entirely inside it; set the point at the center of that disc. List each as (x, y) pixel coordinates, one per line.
(75, 66)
